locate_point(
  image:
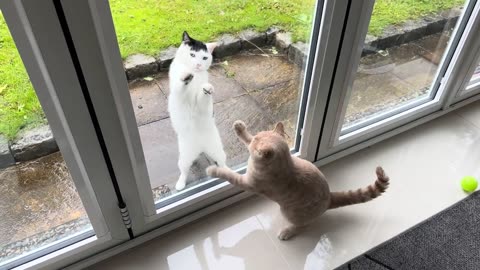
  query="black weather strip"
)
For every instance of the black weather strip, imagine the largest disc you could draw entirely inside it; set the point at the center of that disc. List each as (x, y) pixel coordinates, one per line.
(88, 100)
(344, 29)
(308, 75)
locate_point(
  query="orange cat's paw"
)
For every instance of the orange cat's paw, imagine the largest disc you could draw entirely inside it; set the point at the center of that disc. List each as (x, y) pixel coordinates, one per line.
(239, 126)
(212, 171)
(287, 233)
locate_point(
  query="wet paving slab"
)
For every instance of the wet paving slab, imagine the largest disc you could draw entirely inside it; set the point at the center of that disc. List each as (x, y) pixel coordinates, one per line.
(149, 102)
(36, 197)
(392, 78)
(225, 85)
(39, 200)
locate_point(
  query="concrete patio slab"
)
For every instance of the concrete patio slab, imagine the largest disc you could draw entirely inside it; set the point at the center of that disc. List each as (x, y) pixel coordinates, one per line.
(225, 87)
(159, 144)
(418, 73)
(149, 103)
(36, 196)
(435, 46)
(385, 87)
(254, 71)
(282, 102)
(389, 57)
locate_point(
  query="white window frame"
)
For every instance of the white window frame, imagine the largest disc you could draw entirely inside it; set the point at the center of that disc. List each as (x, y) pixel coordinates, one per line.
(334, 144)
(464, 64)
(37, 34)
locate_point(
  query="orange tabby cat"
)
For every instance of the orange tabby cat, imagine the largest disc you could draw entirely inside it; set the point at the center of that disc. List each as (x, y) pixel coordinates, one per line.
(295, 184)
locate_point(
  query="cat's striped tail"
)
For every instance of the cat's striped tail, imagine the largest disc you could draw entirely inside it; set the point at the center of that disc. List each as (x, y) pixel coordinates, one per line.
(361, 195)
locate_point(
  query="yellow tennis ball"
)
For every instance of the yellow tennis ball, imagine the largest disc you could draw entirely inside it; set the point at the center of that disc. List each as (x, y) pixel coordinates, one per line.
(469, 183)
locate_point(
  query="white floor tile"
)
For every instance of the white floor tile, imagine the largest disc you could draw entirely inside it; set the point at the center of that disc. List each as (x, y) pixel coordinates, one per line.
(231, 239)
(471, 113)
(425, 165)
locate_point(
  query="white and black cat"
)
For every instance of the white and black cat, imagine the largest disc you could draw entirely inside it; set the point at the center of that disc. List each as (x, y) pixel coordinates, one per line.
(190, 106)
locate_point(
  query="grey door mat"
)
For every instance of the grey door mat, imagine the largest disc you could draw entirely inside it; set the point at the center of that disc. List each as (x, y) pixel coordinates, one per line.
(448, 240)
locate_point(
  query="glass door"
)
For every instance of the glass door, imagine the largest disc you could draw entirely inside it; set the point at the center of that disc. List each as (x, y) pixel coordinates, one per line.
(256, 69)
(471, 83)
(464, 68)
(391, 69)
(258, 64)
(56, 193)
(474, 80)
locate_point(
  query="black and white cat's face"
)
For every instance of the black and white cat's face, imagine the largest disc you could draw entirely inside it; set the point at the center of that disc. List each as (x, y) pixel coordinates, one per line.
(195, 54)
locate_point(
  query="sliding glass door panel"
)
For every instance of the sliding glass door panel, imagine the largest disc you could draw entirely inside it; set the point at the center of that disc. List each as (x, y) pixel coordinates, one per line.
(55, 185)
(390, 70)
(257, 76)
(257, 72)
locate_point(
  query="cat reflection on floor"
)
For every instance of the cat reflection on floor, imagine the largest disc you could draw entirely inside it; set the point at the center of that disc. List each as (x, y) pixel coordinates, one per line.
(190, 105)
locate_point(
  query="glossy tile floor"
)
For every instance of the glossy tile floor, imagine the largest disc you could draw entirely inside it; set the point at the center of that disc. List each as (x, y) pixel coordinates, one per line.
(425, 165)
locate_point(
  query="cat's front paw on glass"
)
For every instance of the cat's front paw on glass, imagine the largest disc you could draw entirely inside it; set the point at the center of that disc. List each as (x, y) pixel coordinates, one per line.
(187, 78)
(180, 185)
(212, 171)
(207, 89)
(181, 182)
(239, 126)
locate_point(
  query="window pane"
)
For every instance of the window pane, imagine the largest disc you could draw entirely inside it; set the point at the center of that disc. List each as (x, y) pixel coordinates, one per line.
(257, 74)
(405, 44)
(475, 80)
(38, 200)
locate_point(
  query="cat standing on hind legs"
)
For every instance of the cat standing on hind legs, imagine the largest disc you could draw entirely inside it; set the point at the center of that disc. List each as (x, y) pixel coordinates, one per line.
(190, 105)
(295, 184)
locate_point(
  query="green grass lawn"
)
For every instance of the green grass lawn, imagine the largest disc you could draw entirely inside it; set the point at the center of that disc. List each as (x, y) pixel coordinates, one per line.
(147, 26)
(388, 12)
(18, 103)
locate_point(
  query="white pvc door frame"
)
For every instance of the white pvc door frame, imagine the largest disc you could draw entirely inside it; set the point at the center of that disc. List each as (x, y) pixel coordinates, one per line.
(465, 62)
(38, 36)
(333, 144)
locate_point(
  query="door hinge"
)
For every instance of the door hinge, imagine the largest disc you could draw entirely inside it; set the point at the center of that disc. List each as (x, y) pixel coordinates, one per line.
(126, 217)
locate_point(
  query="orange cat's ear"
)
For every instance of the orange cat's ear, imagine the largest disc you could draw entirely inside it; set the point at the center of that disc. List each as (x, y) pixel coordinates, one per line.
(279, 129)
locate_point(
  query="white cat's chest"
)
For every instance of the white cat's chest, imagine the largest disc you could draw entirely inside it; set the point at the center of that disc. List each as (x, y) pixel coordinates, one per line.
(199, 78)
(189, 106)
(189, 118)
